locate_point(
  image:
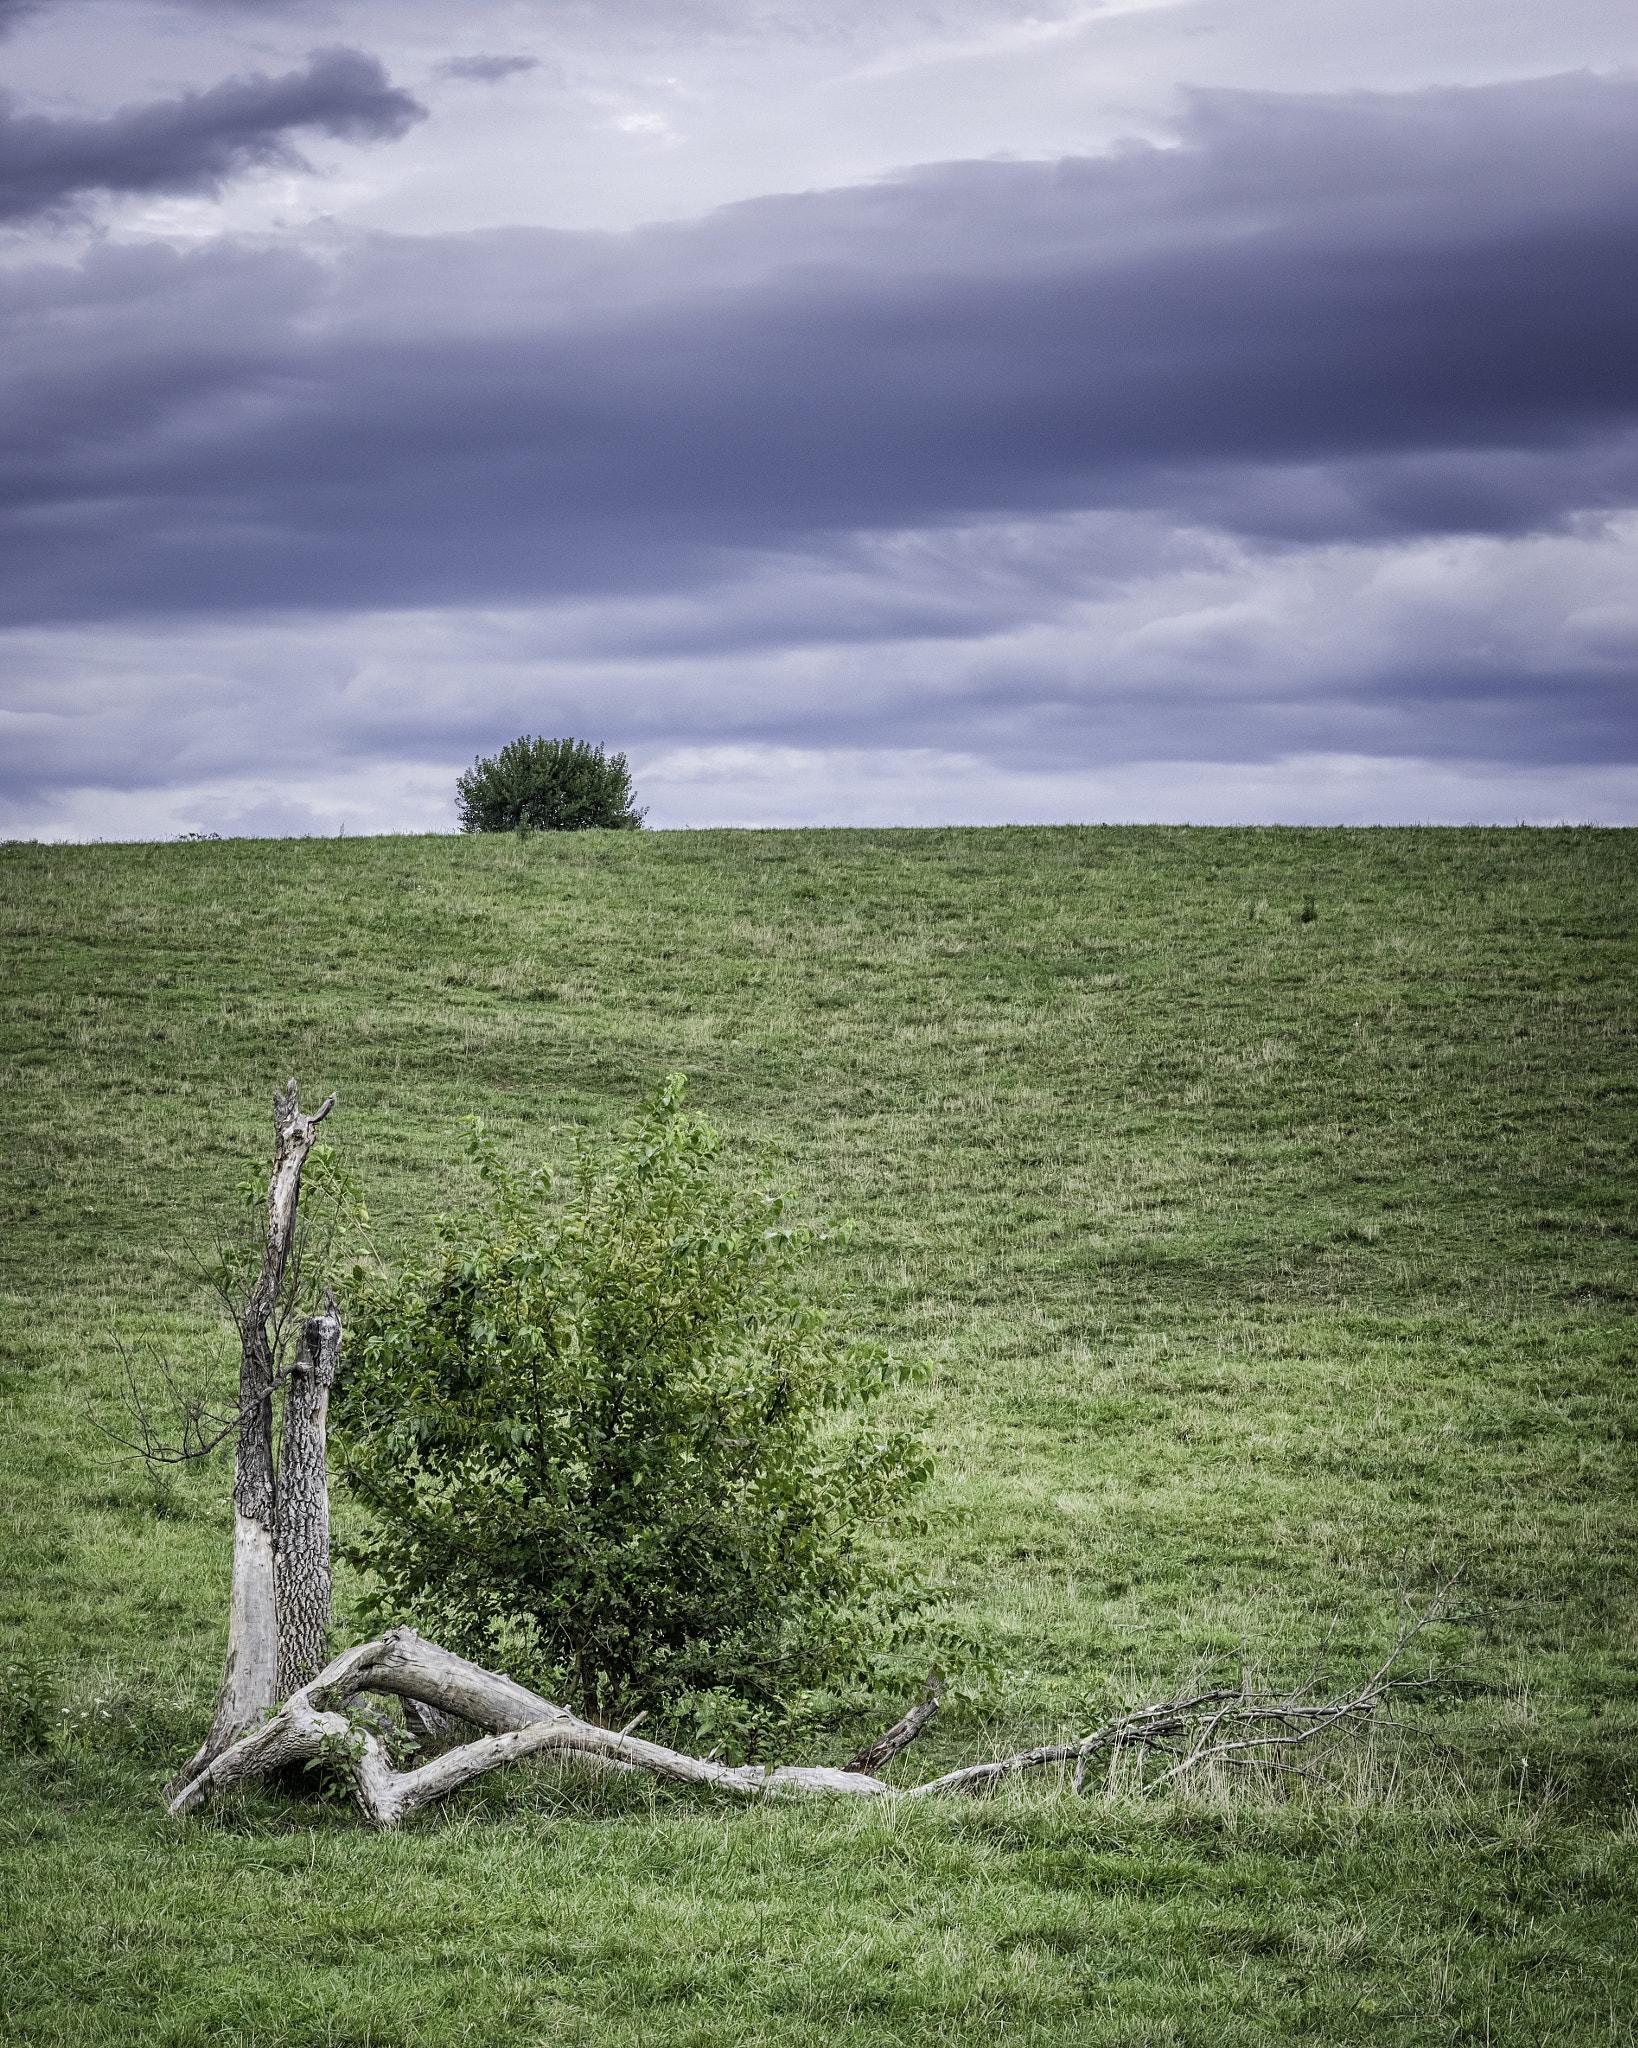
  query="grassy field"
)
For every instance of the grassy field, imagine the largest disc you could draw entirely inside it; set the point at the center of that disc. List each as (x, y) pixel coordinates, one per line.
(1263, 1201)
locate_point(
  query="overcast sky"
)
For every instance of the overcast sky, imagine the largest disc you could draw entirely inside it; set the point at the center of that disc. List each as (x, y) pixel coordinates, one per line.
(892, 413)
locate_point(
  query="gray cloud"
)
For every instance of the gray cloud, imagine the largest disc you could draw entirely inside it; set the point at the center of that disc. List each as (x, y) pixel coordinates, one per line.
(486, 70)
(1311, 434)
(988, 642)
(1314, 321)
(199, 140)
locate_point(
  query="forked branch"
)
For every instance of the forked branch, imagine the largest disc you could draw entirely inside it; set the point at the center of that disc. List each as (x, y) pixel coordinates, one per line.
(524, 1724)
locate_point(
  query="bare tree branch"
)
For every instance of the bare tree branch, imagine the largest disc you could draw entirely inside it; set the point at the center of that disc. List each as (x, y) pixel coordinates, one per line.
(1300, 1724)
(191, 1426)
(1227, 1725)
(903, 1732)
(172, 1414)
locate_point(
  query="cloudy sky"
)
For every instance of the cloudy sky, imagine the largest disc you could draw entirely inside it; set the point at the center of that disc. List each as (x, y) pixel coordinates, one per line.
(903, 412)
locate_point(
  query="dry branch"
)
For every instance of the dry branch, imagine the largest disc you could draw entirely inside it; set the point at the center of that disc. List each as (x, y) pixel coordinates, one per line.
(182, 1428)
(1228, 1725)
(1231, 1725)
(903, 1732)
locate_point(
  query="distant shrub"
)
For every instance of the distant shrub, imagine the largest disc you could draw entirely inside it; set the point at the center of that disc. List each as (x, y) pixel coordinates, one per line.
(537, 785)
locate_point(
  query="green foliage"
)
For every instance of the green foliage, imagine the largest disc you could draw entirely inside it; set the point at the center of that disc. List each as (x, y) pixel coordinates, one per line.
(28, 1698)
(547, 786)
(620, 1442)
(340, 1750)
(332, 1769)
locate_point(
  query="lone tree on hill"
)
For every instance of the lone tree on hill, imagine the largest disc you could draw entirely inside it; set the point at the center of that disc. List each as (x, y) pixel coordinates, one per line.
(548, 786)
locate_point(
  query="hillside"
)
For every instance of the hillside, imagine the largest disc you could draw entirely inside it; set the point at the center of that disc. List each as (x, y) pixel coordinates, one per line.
(1263, 1201)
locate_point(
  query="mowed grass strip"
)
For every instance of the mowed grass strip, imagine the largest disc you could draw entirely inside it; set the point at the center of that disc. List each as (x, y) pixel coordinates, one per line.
(1264, 1203)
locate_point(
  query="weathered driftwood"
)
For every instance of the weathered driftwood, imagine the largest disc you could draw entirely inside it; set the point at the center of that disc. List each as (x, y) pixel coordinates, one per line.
(525, 1724)
(251, 1674)
(1228, 1726)
(408, 1666)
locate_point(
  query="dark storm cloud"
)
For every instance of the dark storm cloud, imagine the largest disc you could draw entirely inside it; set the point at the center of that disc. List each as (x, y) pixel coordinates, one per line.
(197, 141)
(1364, 317)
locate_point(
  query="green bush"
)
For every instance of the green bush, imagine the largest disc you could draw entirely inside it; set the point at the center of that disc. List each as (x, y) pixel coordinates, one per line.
(28, 1705)
(615, 1448)
(547, 786)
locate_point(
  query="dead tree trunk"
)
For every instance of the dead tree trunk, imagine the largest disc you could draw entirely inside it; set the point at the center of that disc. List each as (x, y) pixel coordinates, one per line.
(301, 1571)
(250, 1678)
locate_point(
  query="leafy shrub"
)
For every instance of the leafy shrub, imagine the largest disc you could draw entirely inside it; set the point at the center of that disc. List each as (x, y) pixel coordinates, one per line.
(617, 1449)
(338, 1754)
(547, 786)
(28, 1705)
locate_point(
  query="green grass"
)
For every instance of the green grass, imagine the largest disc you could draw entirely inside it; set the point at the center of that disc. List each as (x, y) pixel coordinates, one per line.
(1261, 1259)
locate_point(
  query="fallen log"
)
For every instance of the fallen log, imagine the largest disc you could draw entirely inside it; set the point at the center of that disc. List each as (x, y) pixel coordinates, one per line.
(1228, 1726)
(313, 1721)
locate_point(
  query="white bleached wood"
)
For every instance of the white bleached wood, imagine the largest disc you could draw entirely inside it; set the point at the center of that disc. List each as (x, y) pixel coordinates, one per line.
(294, 1734)
(402, 1662)
(1227, 1726)
(248, 1676)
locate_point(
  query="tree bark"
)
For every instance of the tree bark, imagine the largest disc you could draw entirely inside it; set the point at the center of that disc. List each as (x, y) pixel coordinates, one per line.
(902, 1733)
(301, 1573)
(432, 1729)
(250, 1675)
